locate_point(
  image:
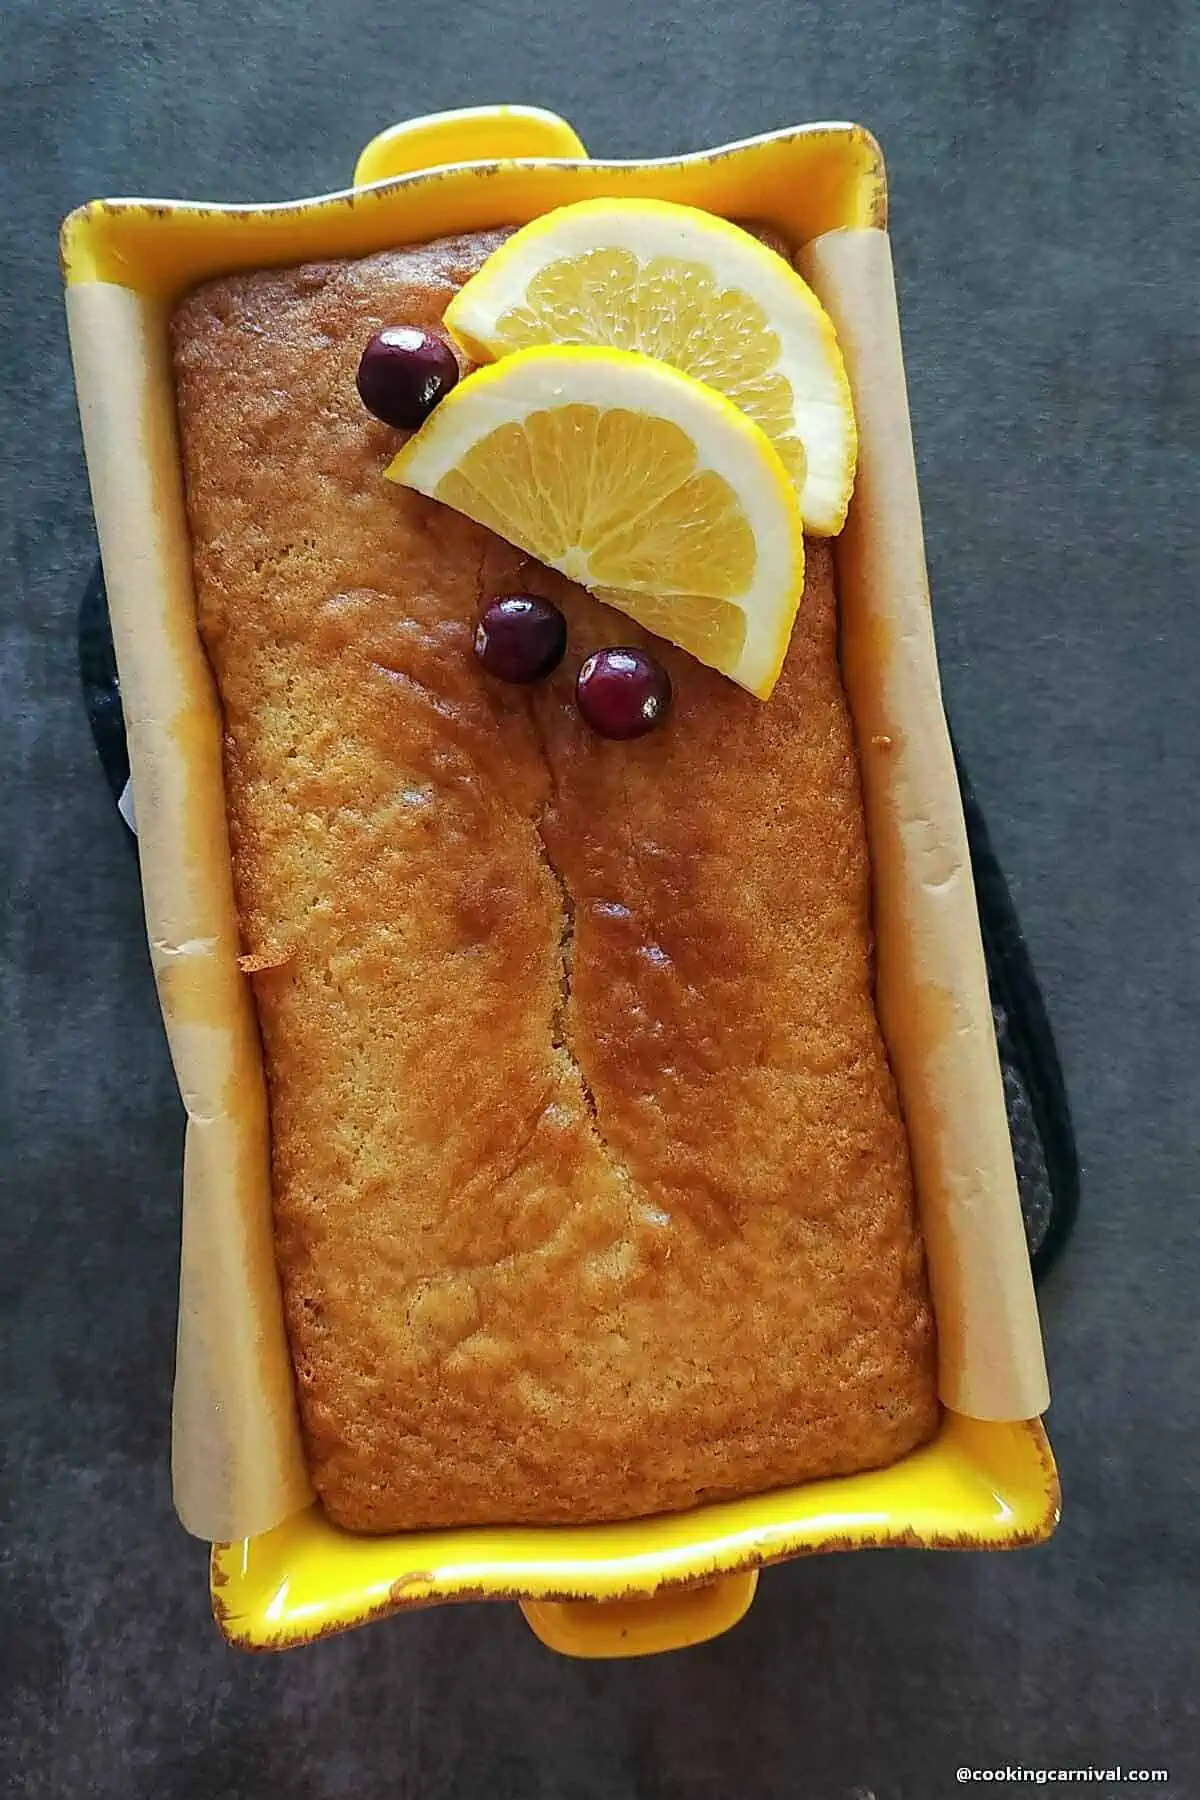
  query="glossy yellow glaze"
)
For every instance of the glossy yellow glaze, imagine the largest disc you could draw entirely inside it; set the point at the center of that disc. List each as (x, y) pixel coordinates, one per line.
(656, 1584)
(674, 1620)
(471, 134)
(803, 182)
(977, 1486)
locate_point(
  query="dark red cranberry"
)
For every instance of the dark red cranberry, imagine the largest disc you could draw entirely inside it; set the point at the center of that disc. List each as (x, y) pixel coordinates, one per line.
(623, 693)
(520, 637)
(403, 374)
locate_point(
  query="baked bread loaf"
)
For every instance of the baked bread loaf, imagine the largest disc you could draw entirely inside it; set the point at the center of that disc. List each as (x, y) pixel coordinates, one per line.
(592, 1192)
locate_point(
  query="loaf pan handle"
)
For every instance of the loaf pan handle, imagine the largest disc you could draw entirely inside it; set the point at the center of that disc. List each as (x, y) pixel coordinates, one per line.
(471, 134)
(672, 1620)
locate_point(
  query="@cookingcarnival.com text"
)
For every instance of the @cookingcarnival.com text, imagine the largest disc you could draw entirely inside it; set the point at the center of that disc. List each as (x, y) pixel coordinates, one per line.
(1045, 1775)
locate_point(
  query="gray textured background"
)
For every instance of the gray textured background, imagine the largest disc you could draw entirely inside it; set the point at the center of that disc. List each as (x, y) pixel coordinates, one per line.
(1046, 235)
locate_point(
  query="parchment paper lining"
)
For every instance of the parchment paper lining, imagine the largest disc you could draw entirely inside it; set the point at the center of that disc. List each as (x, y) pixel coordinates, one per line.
(238, 1460)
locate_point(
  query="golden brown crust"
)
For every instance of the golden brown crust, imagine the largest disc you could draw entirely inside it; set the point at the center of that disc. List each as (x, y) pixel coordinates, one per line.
(592, 1193)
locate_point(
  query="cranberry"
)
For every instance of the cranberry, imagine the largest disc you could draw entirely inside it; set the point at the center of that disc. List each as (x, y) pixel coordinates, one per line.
(623, 693)
(520, 637)
(403, 374)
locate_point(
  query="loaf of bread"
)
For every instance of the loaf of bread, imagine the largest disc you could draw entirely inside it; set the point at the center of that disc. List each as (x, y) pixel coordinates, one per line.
(592, 1192)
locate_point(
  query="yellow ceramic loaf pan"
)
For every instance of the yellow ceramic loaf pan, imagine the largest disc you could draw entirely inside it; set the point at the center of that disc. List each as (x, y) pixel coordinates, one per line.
(661, 1583)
